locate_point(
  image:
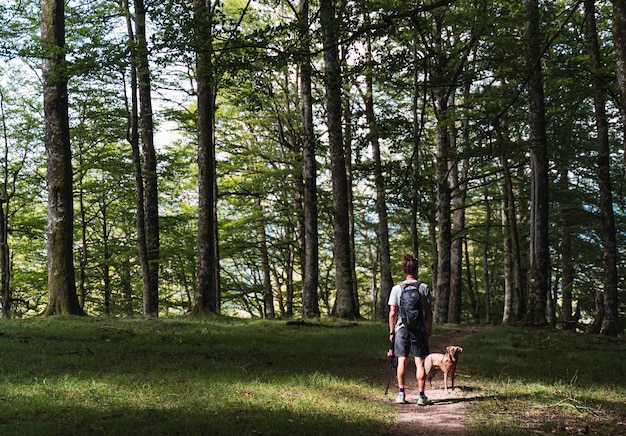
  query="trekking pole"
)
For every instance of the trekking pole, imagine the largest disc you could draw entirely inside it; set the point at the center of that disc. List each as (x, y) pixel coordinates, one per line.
(392, 357)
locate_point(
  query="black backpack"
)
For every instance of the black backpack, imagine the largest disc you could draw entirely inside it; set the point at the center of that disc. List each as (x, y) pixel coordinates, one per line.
(411, 307)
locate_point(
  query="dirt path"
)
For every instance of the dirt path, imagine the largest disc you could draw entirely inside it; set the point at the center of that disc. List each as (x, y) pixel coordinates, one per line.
(447, 414)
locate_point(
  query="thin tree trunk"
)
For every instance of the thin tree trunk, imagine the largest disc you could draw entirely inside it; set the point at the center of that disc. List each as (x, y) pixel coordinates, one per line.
(61, 283)
(485, 258)
(470, 285)
(507, 255)
(386, 279)
(310, 282)
(567, 262)
(84, 253)
(151, 204)
(5, 268)
(619, 41)
(444, 240)
(459, 193)
(206, 295)
(418, 124)
(5, 201)
(539, 243)
(610, 325)
(132, 136)
(347, 118)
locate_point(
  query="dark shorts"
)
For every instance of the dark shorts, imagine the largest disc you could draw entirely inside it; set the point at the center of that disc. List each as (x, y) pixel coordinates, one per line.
(408, 341)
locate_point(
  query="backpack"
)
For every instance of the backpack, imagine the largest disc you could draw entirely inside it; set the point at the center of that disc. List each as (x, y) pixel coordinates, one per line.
(411, 307)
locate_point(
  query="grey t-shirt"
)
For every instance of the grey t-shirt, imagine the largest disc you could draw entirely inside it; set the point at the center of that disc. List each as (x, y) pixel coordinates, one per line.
(394, 298)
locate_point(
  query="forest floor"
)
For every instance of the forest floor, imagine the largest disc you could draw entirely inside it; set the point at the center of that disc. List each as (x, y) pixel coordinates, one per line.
(448, 413)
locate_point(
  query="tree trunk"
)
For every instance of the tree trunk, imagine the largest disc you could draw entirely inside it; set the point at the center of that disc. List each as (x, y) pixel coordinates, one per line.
(150, 294)
(347, 111)
(5, 197)
(444, 240)
(61, 285)
(268, 296)
(507, 259)
(470, 285)
(539, 243)
(206, 295)
(310, 281)
(345, 299)
(418, 124)
(619, 41)
(5, 266)
(132, 136)
(459, 193)
(485, 259)
(386, 279)
(610, 325)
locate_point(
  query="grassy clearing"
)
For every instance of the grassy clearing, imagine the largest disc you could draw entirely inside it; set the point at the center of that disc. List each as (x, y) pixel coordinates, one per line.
(202, 377)
(172, 376)
(536, 381)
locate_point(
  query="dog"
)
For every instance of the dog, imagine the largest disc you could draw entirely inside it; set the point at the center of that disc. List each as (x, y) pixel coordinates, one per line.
(445, 362)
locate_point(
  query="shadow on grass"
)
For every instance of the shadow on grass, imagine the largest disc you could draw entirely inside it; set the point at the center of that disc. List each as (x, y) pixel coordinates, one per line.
(153, 421)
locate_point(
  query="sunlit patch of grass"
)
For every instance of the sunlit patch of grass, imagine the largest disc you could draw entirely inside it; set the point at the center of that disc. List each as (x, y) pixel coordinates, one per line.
(182, 376)
(547, 381)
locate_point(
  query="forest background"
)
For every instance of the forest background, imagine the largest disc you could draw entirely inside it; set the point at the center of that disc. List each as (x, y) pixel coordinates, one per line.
(273, 159)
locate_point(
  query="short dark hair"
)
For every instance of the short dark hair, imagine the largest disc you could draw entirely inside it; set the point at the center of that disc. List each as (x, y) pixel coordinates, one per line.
(410, 265)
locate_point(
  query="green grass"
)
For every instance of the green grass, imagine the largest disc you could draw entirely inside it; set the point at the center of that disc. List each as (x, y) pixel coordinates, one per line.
(537, 381)
(190, 377)
(175, 376)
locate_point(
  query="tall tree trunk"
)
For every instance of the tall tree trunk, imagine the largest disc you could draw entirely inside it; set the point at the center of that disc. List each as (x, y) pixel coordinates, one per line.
(5, 266)
(444, 240)
(507, 259)
(386, 279)
(150, 294)
(206, 295)
(485, 258)
(347, 118)
(470, 285)
(567, 262)
(518, 298)
(459, 193)
(539, 243)
(268, 296)
(345, 307)
(132, 136)
(418, 113)
(310, 281)
(61, 284)
(106, 254)
(619, 41)
(5, 197)
(610, 325)
(84, 252)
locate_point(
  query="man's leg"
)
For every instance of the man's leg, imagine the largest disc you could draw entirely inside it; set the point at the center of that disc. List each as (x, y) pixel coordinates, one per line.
(400, 374)
(420, 373)
(401, 370)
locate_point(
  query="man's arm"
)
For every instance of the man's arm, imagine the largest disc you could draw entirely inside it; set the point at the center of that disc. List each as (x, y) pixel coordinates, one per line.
(429, 319)
(393, 315)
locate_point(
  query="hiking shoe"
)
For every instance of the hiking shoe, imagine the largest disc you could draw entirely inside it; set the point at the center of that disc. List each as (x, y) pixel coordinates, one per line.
(423, 401)
(401, 399)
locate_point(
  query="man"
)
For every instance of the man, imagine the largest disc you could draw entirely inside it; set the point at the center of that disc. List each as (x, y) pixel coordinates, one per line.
(410, 335)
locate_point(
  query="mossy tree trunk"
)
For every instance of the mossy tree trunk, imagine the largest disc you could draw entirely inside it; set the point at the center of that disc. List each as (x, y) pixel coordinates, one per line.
(63, 299)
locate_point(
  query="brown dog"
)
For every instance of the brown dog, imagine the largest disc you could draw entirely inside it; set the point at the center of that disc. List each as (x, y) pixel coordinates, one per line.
(444, 362)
